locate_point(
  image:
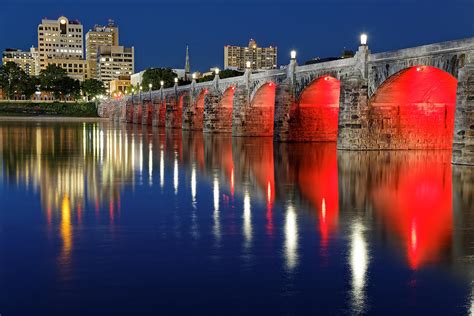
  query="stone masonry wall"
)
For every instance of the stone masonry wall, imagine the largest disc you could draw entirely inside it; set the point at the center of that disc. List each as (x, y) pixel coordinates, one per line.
(463, 145)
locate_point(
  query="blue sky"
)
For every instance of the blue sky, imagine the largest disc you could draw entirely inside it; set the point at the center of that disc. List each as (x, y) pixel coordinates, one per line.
(160, 30)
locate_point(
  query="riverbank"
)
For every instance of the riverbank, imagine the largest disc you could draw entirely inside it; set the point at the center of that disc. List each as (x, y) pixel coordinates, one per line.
(45, 109)
(62, 119)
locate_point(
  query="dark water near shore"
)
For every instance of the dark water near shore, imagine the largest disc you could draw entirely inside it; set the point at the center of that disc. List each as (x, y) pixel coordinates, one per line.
(104, 219)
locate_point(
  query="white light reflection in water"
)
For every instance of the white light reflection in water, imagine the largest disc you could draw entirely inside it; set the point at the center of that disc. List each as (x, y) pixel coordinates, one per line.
(175, 174)
(291, 238)
(359, 262)
(194, 227)
(215, 190)
(247, 220)
(150, 164)
(193, 185)
(162, 168)
(471, 301)
(140, 148)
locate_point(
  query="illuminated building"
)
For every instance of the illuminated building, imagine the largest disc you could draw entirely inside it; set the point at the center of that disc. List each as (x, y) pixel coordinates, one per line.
(236, 57)
(24, 59)
(96, 37)
(114, 62)
(60, 42)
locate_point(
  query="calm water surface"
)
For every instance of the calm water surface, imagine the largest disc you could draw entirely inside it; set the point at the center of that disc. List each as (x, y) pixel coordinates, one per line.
(107, 219)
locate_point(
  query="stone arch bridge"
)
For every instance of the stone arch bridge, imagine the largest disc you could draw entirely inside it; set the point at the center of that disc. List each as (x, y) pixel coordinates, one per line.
(414, 98)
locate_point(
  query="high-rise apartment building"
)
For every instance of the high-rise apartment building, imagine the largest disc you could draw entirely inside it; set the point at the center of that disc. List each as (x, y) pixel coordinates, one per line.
(96, 37)
(236, 57)
(60, 42)
(24, 59)
(114, 62)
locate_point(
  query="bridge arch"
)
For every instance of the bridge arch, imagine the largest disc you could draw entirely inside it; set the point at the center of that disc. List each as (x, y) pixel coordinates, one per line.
(314, 116)
(260, 117)
(198, 117)
(414, 109)
(224, 110)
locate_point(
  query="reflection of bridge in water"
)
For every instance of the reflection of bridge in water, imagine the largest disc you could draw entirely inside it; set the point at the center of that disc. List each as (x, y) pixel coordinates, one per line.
(409, 195)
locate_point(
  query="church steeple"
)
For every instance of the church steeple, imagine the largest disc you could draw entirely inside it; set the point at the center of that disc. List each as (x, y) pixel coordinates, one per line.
(187, 67)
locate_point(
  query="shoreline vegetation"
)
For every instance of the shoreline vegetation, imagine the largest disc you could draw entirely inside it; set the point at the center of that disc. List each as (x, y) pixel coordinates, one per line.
(48, 109)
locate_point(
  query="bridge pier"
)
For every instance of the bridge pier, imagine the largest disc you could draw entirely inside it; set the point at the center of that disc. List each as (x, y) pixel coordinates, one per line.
(463, 144)
(192, 113)
(353, 129)
(147, 117)
(284, 100)
(173, 113)
(137, 113)
(159, 115)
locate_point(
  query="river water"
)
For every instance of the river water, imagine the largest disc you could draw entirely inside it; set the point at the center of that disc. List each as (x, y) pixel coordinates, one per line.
(115, 219)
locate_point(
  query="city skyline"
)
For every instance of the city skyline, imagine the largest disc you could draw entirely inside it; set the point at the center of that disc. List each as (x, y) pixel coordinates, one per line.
(334, 30)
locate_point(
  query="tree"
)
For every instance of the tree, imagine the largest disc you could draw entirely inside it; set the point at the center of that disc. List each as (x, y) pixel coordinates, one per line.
(55, 79)
(156, 75)
(226, 73)
(93, 88)
(27, 86)
(51, 79)
(70, 87)
(12, 77)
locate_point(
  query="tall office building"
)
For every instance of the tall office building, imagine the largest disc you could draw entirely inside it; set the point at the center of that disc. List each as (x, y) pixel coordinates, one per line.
(236, 57)
(96, 37)
(60, 42)
(114, 62)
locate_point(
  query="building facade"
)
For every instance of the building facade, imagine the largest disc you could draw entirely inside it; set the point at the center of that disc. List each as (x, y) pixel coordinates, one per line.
(24, 59)
(96, 37)
(260, 58)
(114, 62)
(120, 85)
(60, 42)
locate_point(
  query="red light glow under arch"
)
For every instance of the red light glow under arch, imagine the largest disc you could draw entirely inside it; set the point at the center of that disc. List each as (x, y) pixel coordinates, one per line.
(414, 109)
(315, 116)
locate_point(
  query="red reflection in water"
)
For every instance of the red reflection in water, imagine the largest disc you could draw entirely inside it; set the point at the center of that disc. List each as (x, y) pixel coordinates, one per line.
(414, 199)
(416, 107)
(111, 211)
(315, 117)
(318, 181)
(232, 187)
(79, 213)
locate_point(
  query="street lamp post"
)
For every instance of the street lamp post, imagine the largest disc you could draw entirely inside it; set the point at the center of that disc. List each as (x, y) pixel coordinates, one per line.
(149, 88)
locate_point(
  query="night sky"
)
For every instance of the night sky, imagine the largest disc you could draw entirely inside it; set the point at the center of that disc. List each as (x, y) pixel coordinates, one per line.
(160, 30)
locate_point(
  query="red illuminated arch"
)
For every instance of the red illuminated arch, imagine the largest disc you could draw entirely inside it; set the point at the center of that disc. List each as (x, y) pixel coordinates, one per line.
(224, 111)
(315, 116)
(198, 120)
(414, 109)
(259, 121)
